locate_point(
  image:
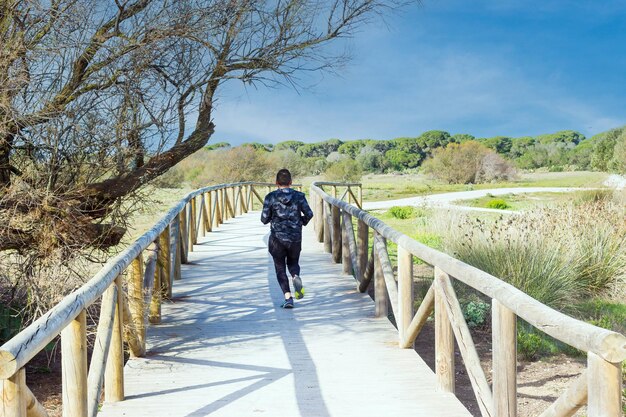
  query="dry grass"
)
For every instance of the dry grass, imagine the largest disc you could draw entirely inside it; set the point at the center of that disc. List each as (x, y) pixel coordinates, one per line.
(558, 255)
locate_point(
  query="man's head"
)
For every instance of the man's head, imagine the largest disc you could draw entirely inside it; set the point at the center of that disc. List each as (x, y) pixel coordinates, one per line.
(283, 178)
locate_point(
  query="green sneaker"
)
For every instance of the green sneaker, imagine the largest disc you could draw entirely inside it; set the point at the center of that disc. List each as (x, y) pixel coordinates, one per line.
(297, 284)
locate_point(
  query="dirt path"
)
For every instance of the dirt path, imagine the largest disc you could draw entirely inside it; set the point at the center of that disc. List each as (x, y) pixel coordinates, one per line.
(446, 200)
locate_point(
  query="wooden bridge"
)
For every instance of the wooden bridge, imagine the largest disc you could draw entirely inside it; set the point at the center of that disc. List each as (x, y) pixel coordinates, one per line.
(195, 303)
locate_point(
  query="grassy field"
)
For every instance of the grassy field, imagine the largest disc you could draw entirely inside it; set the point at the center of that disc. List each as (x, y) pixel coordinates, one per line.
(526, 201)
(160, 201)
(389, 186)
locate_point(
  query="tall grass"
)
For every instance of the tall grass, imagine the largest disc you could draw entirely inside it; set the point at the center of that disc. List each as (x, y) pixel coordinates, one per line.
(558, 255)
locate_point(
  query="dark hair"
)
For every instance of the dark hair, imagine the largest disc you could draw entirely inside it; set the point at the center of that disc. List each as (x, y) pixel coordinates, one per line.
(283, 177)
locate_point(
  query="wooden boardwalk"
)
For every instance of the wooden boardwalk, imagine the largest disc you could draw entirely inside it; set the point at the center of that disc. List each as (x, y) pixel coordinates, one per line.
(226, 348)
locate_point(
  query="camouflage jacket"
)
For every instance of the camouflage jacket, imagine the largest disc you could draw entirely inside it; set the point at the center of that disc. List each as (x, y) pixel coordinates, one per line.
(288, 211)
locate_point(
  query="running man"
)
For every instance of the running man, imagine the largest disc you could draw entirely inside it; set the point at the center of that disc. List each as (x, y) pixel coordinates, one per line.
(287, 210)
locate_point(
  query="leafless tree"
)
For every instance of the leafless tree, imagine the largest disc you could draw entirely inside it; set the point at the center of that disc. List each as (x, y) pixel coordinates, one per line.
(98, 97)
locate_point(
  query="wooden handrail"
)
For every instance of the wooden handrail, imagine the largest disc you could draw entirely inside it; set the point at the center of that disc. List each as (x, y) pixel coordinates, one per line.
(598, 387)
(15, 353)
(167, 245)
(609, 345)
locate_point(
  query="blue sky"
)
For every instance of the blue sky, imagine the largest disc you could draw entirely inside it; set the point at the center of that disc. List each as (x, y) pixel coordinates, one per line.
(484, 67)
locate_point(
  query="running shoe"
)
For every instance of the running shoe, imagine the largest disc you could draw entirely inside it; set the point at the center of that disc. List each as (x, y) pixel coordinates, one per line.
(297, 284)
(288, 303)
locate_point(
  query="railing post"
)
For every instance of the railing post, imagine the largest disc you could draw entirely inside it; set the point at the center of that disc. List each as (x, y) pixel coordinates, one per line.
(346, 220)
(240, 200)
(360, 196)
(14, 395)
(444, 340)
(208, 214)
(165, 262)
(114, 373)
(182, 232)
(380, 288)
(201, 216)
(175, 249)
(604, 385)
(504, 345)
(250, 197)
(191, 219)
(222, 218)
(405, 292)
(336, 227)
(74, 367)
(136, 303)
(319, 217)
(362, 243)
(327, 228)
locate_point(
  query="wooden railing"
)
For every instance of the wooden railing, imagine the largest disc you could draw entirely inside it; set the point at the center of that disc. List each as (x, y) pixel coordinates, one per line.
(599, 386)
(151, 265)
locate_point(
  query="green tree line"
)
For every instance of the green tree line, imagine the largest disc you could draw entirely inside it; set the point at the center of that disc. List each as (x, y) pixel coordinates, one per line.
(565, 149)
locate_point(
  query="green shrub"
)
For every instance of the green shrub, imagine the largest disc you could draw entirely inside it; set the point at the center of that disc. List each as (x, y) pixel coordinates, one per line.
(532, 345)
(429, 239)
(602, 313)
(476, 313)
(10, 323)
(404, 212)
(346, 170)
(498, 204)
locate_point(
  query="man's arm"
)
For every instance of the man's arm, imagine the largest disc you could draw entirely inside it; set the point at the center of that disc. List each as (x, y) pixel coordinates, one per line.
(306, 211)
(266, 214)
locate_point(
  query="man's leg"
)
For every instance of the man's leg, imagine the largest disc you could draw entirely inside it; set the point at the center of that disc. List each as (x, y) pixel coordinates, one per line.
(293, 256)
(279, 253)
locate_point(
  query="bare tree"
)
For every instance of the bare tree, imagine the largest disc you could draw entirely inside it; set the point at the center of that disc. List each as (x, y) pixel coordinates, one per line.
(97, 97)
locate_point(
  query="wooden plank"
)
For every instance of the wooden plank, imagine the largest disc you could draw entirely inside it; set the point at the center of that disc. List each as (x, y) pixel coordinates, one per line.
(175, 251)
(114, 371)
(444, 341)
(304, 359)
(504, 346)
(74, 367)
(346, 261)
(351, 248)
(604, 387)
(191, 220)
(423, 312)
(480, 386)
(319, 218)
(369, 272)
(33, 407)
(387, 269)
(101, 347)
(208, 212)
(14, 395)
(183, 237)
(362, 243)
(336, 233)
(137, 307)
(381, 299)
(404, 315)
(165, 262)
(328, 228)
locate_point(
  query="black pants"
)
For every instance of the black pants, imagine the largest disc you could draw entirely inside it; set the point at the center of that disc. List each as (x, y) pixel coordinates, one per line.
(285, 254)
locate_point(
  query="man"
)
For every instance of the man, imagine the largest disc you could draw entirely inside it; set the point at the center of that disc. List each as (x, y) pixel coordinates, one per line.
(288, 211)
